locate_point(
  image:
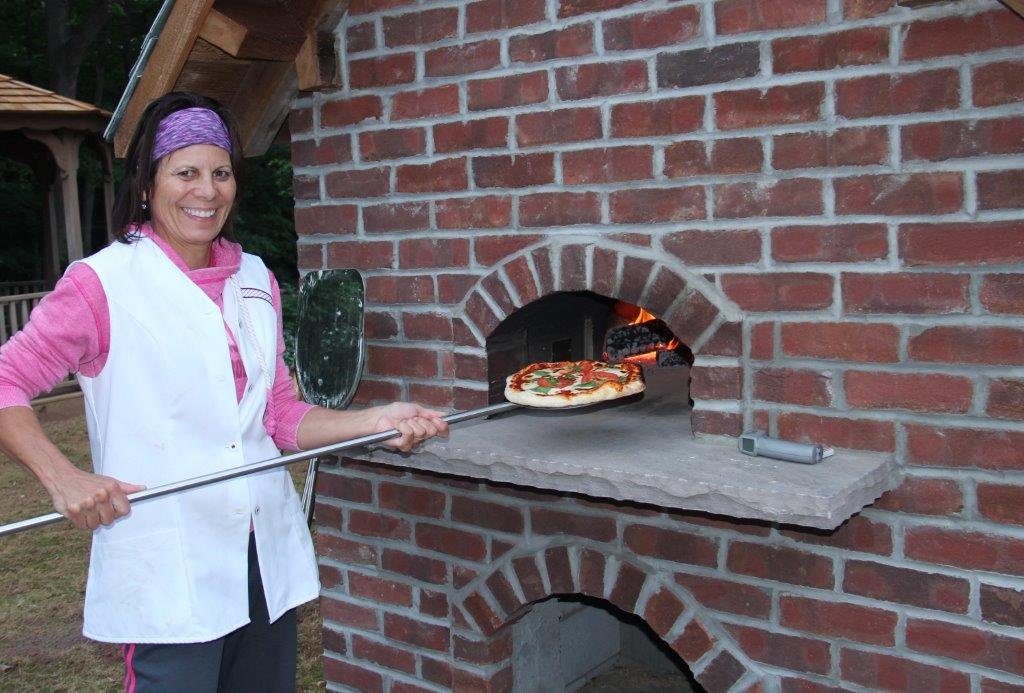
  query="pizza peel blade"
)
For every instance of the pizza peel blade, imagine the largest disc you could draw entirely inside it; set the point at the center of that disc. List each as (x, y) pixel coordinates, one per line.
(329, 348)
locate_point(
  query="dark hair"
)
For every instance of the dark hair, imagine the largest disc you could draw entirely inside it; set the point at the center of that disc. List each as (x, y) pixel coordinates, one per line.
(140, 170)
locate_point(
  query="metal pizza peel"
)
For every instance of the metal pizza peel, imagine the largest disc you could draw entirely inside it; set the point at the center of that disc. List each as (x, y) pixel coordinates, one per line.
(318, 378)
(329, 348)
(273, 463)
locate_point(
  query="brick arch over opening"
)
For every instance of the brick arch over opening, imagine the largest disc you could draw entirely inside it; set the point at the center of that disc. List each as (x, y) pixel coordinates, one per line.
(491, 602)
(695, 310)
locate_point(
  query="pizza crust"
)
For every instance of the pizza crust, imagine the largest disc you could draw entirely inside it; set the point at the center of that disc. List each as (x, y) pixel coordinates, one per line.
(529, 385)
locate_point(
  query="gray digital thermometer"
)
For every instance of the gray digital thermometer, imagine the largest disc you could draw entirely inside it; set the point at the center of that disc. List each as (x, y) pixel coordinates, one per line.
(761, 444)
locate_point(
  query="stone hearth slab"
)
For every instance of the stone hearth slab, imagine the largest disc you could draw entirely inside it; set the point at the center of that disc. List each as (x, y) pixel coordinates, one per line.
(642, 450)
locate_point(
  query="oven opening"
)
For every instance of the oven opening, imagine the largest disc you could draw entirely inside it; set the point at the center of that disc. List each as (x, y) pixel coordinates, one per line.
(571, 326)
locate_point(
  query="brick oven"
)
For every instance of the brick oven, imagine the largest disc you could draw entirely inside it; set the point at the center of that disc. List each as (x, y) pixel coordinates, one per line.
(823, 200)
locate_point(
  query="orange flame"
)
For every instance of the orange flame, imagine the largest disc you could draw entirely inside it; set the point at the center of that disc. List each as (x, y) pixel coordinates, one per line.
(642, 316)
(637, 315)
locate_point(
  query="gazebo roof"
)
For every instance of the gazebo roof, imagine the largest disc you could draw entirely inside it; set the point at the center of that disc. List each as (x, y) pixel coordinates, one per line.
(26, 106)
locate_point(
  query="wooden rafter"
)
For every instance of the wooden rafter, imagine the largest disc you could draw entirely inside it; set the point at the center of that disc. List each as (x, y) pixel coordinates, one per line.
(253, 32)
(168, 57)
(1015, 5)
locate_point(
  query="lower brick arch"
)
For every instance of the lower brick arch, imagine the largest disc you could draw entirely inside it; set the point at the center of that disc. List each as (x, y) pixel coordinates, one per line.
(489, 604)
(700, 316)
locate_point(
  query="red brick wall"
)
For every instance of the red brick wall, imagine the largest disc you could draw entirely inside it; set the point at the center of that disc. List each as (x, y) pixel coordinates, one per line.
(835, 186)
(421, 574)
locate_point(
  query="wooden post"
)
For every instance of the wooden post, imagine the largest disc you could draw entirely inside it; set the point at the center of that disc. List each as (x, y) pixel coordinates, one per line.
(69, 190)
(51, 253)
(65, 153)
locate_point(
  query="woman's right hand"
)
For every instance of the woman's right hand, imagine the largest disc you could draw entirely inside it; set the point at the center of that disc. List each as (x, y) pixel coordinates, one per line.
(90, 500)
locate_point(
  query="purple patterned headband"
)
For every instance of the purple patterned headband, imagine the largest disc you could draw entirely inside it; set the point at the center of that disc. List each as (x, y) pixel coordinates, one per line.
(187, 127)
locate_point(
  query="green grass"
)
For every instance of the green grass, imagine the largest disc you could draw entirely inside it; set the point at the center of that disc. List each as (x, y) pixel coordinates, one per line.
(43, 573)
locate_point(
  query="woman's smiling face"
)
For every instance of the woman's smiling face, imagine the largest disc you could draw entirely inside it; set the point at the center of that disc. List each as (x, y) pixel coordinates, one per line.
(193, 191)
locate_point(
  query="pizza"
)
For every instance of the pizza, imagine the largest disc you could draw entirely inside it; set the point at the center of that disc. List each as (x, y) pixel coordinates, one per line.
(572, 383)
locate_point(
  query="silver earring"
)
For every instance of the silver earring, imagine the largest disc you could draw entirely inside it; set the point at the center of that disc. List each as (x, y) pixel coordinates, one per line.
(145, 206)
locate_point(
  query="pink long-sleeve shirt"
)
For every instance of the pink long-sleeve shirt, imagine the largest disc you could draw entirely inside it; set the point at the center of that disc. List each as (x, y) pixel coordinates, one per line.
(69, 332)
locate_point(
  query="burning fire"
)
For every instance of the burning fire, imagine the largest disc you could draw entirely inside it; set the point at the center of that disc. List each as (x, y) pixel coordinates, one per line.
(637, 316)
(642, 316)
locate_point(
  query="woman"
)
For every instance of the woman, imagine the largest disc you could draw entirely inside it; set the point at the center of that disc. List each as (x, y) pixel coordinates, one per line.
(175, 337)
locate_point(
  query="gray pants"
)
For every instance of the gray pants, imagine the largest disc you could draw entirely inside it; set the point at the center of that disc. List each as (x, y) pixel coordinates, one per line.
(259, 656)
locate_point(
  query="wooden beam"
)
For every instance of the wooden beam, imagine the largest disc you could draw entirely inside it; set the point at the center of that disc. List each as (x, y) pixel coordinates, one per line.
(275, 112)
(1015, 5)
(223, 32)
(261, 103)
(258, 92)
(165, 63)
(253, 31)
(317, 62)
(212, 72)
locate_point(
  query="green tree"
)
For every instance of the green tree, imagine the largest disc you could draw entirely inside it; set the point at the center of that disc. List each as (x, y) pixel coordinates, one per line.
(23, 41)
(67, 42)
(83, 49)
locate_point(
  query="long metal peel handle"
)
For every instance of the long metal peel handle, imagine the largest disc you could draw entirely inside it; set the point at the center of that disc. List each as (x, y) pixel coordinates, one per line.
(263, 466)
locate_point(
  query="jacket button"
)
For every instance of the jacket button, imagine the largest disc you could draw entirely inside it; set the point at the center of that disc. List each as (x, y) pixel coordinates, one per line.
(233, 445)
(257, 510)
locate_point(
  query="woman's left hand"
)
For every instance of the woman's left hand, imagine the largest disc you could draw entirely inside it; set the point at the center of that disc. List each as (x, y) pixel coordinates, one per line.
(415, 423)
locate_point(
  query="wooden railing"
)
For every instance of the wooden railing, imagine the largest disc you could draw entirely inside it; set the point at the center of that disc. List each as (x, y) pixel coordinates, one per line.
(14, 312)
(24, 287)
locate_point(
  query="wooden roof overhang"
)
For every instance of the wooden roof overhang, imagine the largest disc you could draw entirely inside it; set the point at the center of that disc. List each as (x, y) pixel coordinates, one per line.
(251, 55)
